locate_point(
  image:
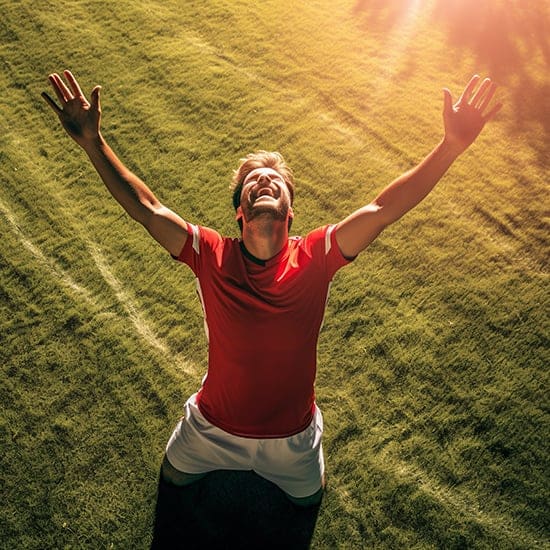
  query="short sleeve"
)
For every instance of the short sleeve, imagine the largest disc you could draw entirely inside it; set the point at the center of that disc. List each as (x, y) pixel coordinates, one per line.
(199, 247)
(323, 245)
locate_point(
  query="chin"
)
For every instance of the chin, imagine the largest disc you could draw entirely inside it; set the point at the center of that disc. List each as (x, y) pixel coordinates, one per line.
(279, 214)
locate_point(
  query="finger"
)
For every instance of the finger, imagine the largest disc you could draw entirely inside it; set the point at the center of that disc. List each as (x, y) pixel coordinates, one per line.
(51, 103)
(469, 89)
(478, 97)
(447, 101)
(61, 89)
(488, 96)
(94, 98)
(73, 83)
(57, 90)
(492, 112)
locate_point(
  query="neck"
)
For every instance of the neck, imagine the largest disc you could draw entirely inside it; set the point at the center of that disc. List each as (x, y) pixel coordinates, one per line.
(265, 238)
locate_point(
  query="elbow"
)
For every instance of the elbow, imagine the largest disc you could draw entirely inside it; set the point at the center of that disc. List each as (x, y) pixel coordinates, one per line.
(385, 214)
(145, 212)
(381, 214)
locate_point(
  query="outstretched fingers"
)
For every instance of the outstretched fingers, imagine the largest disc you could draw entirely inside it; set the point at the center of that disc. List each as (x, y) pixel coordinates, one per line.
(74, 84)
(51, 103)
(488, 96)
(478, 98)
(63, 93)
(465, 120)
(94, 98)
(467, 93)
(447, 101)
(481, 98)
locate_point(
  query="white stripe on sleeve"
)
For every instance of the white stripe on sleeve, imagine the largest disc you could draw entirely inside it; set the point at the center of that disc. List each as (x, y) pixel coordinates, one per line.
(195, 231)
(328, 242)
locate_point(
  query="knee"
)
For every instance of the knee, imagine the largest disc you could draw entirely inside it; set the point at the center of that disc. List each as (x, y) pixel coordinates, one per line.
(306, 502)
(175, 477)
(168, 472)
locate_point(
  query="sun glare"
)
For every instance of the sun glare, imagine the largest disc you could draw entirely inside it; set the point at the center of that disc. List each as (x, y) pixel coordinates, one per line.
(398, 40)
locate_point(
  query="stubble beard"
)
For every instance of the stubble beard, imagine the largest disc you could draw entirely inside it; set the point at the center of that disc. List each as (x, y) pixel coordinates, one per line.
(276, 213)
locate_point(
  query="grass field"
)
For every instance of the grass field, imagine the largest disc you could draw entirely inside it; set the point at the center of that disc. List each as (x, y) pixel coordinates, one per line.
(433, 360)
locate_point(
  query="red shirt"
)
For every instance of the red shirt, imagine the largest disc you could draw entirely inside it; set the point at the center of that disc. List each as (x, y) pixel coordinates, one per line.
(262, 321)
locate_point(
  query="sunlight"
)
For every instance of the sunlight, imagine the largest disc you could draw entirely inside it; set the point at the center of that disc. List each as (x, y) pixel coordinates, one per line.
(398, 41)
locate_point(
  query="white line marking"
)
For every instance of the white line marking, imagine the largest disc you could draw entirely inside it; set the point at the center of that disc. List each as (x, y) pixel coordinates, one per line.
(50, 264)
(141, 325)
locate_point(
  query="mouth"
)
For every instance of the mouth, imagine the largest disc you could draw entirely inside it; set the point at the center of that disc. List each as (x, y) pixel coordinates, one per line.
(265, 192)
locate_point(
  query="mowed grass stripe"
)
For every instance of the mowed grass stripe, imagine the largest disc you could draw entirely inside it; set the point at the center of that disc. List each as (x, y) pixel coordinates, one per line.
(68, 218)
(50, 265)
(462, 503)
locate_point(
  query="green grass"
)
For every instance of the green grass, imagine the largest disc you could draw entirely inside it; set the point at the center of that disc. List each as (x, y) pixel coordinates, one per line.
(433, 358)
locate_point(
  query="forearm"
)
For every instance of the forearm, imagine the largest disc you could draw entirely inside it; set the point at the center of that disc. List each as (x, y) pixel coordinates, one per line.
(411, 188)
(130, 192)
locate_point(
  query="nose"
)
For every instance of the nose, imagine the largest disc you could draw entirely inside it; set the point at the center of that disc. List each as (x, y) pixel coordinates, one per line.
(263, 178)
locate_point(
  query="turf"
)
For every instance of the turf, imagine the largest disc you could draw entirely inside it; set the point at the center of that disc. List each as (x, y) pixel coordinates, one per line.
(433, 360)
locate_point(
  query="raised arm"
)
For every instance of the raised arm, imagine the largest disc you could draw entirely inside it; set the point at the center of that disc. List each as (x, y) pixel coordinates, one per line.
(81, 120)
(463, 122)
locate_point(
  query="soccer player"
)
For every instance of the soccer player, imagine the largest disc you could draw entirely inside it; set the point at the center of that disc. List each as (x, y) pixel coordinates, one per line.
(263, 295)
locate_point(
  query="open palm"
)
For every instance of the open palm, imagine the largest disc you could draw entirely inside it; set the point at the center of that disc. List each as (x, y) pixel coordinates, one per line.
(80, 117)
(465, 119)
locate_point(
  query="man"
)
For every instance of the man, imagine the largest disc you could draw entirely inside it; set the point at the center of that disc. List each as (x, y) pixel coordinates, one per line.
(264, 295)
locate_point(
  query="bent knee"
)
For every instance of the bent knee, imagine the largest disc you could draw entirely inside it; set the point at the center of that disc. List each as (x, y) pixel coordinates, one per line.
(305, 502)
(174, 476)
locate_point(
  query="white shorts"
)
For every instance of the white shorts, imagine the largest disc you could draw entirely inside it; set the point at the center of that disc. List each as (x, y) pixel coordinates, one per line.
(295, 463)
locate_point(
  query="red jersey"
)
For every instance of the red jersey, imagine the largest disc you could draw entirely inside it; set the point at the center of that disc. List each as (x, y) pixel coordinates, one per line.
(262, 320)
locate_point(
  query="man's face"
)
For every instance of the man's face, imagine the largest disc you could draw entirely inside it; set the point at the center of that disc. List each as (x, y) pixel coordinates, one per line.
(264, 193)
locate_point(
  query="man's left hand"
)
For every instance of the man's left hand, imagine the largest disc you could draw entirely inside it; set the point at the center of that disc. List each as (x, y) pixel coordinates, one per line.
(465, 119)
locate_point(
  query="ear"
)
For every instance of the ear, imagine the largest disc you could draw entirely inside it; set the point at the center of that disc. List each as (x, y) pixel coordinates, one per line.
(239, 217)
(290, 218)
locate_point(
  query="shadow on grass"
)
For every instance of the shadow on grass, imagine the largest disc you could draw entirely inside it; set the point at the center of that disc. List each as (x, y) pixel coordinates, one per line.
(230, 509)
(380, 15)
(504, 35)
(511, 41)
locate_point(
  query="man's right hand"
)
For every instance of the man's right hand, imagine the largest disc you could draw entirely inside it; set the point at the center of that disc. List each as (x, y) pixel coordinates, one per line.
(79, 117)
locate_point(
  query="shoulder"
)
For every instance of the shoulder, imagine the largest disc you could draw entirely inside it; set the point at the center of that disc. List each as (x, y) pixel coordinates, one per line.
(321, 244)
(201, 241)
(203, 236)
(320, 240)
